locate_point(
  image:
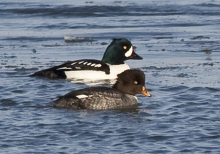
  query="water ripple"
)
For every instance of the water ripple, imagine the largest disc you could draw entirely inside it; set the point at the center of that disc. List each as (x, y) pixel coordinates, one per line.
(105, 10)
(179, 43)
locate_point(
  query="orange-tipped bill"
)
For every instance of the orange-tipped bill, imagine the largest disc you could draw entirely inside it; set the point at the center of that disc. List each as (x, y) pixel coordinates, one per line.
(145, 92)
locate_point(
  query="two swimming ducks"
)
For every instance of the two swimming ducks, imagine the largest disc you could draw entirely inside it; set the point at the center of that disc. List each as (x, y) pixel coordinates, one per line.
(112, 66)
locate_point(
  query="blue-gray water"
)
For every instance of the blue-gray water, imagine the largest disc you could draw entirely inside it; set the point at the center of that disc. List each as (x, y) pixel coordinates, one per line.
(180, 44)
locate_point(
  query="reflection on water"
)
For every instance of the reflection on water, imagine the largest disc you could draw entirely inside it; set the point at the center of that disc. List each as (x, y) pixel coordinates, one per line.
(94, 83)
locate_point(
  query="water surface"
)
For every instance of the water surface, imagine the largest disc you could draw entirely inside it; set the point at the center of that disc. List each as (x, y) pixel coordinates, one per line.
(179, 42)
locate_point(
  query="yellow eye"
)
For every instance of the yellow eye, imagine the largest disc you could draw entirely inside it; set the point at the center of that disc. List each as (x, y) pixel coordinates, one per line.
(135, 82)
(125, 47)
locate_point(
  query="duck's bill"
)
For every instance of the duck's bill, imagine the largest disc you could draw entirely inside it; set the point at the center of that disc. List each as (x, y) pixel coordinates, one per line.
(135, 56)
(146, 92)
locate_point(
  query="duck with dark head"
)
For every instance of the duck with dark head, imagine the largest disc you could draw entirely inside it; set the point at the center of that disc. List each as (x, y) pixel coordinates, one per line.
(122, 95)
(109, 67)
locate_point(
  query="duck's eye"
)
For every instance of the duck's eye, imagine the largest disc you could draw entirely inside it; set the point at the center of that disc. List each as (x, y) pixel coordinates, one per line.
(135, 82)
(125, 47)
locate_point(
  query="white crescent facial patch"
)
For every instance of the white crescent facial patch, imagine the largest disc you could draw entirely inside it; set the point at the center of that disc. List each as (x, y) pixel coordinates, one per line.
(129, 52)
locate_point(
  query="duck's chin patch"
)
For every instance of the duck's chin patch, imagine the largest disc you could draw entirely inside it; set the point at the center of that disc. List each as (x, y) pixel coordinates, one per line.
(129, 52)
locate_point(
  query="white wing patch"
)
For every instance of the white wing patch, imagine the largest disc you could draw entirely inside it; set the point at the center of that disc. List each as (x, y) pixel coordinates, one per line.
(64, 68)
(98, 65)
(129, 52)
(81, 62)
(82, 96)
(84, 63)
(78, 68)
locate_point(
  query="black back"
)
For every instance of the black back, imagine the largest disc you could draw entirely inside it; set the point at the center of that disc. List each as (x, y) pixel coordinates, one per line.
(58, 72)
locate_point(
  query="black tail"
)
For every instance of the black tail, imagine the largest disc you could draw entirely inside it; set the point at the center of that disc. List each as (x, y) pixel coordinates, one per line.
(52, 73)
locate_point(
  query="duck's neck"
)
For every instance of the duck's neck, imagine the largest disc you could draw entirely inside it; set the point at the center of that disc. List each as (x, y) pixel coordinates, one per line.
(112, 61)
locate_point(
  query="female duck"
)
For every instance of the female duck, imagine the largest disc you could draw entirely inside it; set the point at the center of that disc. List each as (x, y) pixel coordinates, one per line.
(121, 95)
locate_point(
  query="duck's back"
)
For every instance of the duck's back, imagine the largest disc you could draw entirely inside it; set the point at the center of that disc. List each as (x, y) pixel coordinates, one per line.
(96, 98)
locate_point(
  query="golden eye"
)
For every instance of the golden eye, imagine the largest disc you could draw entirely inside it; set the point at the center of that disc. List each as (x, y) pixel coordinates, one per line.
(125, 47)
(135, 82)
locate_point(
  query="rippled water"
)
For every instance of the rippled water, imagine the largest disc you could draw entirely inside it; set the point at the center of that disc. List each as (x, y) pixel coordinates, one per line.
(179, 42)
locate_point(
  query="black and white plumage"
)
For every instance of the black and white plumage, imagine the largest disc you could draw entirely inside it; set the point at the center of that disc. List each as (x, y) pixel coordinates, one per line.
(111, 64)
(78, 65)
(85, 64)
(121, 95)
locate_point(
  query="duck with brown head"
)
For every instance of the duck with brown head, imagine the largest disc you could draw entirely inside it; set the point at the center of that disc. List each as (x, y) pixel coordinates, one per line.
(122, 95)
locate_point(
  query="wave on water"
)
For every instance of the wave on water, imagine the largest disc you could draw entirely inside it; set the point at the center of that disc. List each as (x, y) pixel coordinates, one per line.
(110, 10)
(179, 43)
(164, 68)
(7, 102)
(32, 39)
(73, 39)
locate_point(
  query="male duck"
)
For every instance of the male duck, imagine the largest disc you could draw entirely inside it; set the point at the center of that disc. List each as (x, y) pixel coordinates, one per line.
(121, 95)
(111, 64)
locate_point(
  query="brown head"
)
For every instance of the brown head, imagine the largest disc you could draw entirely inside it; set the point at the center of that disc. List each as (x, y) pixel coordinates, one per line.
(132, 82)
